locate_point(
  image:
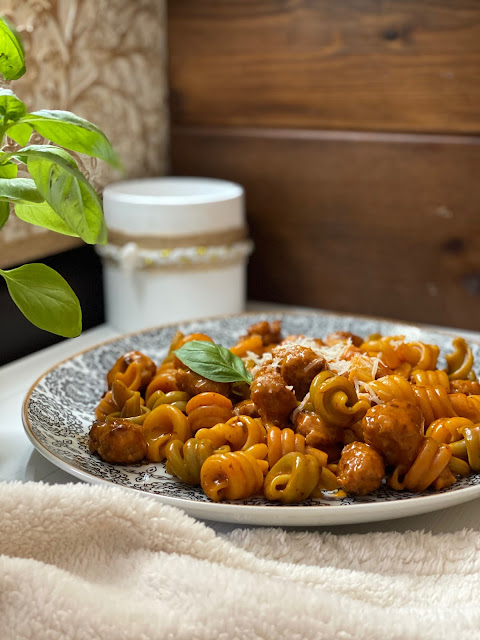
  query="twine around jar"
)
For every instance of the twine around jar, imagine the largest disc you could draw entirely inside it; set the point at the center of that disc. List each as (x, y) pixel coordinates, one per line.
(197, 251)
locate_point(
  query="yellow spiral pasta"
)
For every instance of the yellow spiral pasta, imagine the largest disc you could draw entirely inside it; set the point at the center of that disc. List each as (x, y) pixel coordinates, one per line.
(235, 475)
(466, 406)
(208, 409)
(429, 377)
(430, 463)
(335, 400)
(392, 387)
(283, 441)
(292, 478)
(386, 348)
(447, 430)
(185, 460)
(419, 354)
(433, 402)
(163, 425)
(460, 362)
(240, 432)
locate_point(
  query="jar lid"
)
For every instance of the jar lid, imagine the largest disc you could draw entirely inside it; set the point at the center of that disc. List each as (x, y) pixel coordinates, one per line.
(173, 206)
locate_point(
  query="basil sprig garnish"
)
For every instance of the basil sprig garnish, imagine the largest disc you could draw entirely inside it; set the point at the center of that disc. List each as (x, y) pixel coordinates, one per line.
(214, 362)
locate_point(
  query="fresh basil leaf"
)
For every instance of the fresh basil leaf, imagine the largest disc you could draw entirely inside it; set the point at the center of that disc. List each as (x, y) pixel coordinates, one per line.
(20, 132)
(74, 133)
(214, 362)
(19, 189)
(45, 150)
(8, 170)
(42, 215)
(11, 107)
(12, 57)
(67, 191)
(45, 298)
(4, 213)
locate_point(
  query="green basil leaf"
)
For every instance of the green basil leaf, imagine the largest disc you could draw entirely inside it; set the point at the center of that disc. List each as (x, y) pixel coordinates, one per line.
(8, 170)
(19, 189)
(214, 362)
(45, 299)
(12, 57)
(67, 191)
(11, 107)
(4, 213)
(42, 215)
(74, 133)
(20, 132)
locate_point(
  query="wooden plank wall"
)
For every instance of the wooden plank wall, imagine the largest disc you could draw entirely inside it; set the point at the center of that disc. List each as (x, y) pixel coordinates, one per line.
(355, 128)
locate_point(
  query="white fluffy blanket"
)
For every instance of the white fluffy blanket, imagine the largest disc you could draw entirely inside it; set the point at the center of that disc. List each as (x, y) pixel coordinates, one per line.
(87, 562)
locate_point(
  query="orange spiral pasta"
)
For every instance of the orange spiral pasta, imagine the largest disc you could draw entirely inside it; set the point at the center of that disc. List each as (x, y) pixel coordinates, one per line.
(248, 344)
(419, 354)
(392, 387)
(428, 377)
(134, 369)
(235, 475)
(335, 400)
(208, 409)
(466, 406)
(239, 432)
(163, 425)
(185, 460)
(283, 441)
(292, 478)
(387, 348)
(433, 402)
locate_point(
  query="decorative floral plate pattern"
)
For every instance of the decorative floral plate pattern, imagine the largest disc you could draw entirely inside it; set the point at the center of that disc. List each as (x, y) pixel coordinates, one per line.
(59, 408)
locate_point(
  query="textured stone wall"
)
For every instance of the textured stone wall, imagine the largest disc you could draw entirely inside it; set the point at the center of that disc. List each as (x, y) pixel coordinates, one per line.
(105, 60)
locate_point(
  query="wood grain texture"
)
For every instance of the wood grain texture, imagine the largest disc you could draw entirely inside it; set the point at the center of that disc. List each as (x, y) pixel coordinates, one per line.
(396, 65)
(377, 224)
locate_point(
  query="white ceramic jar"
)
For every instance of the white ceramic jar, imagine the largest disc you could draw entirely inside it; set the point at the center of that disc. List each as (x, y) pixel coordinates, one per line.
(177, 250)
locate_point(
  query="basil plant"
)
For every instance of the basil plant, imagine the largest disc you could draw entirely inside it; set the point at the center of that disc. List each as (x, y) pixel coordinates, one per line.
(56, 196)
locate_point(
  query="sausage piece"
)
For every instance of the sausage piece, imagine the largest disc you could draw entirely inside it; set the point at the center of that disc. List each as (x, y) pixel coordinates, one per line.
(193, 384)
(118, 441)
(273, 400)
(299, 367)
(395, 429)
(360, 469)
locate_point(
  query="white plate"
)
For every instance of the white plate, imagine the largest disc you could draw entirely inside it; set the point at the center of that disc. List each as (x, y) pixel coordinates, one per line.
(59, 408)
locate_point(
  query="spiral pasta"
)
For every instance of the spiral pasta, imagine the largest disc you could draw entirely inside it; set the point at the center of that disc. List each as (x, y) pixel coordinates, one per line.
(208, 409)
(161, 426)
(292, 478)
(460, 362)
(314, 408)
(430, 463)
(335, 399)
(134, 369)
(235, 475)
(185, 460)
(239, 432)
(429, 377)
(434, 402)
